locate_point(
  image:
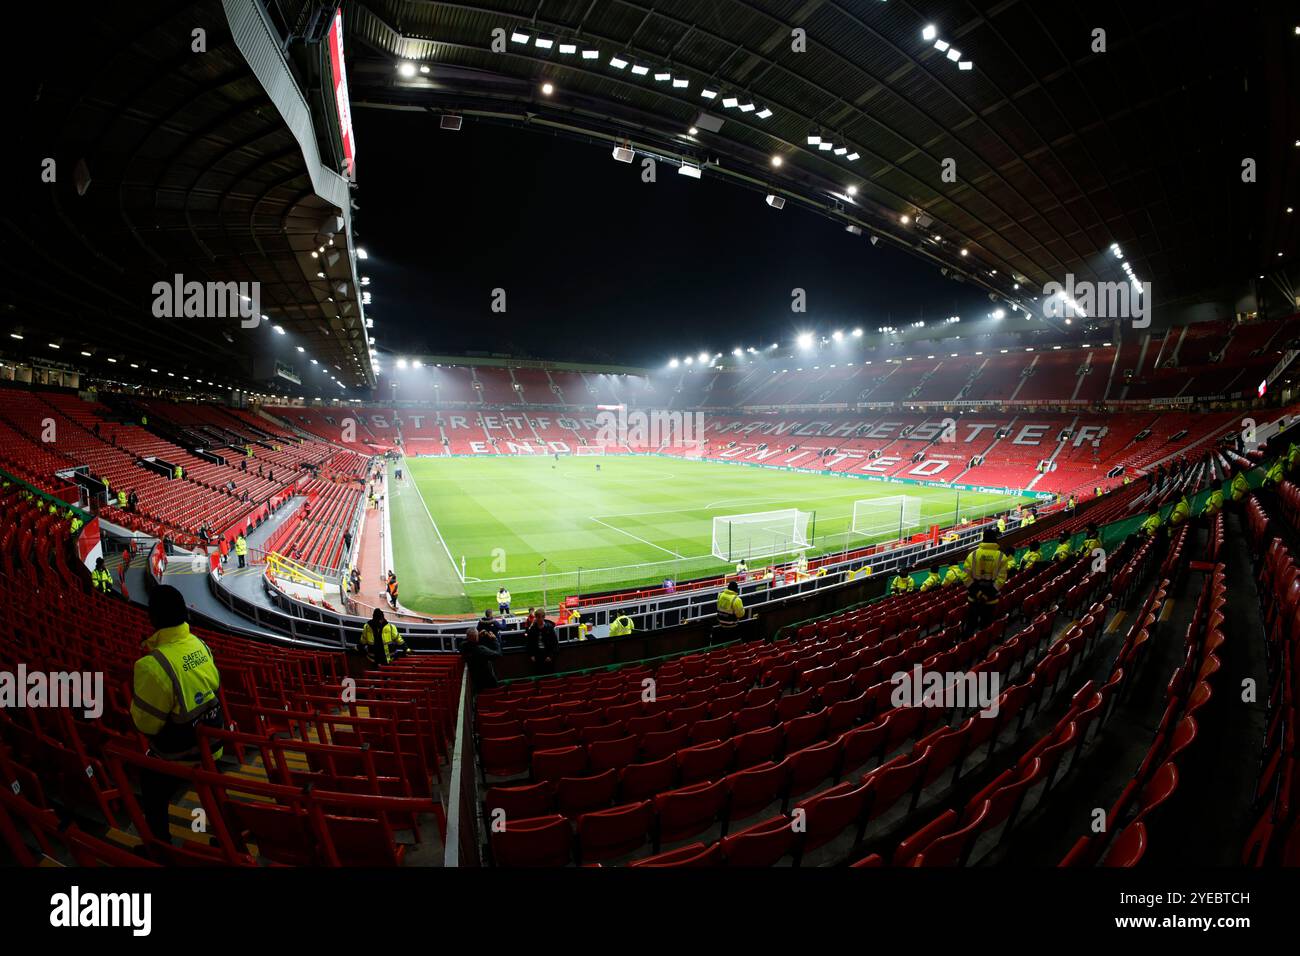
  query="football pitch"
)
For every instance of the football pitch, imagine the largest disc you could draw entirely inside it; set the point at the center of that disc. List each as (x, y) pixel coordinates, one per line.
(462, 527)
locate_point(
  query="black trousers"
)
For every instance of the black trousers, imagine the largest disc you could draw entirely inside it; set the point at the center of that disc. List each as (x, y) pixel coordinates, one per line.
(157, 791)
(241, 560)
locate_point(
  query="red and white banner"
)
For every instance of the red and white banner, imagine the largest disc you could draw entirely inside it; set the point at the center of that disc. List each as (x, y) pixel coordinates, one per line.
(341, 96)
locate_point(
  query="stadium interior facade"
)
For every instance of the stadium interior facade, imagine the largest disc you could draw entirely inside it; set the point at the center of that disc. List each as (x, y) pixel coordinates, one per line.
(193, 396)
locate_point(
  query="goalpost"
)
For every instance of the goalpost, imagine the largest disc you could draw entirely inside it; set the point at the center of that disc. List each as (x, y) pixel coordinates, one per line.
(582, 451)
(894, 515)
(762, 534)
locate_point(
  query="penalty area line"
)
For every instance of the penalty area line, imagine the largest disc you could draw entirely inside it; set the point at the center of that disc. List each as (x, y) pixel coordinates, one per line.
(635, 538)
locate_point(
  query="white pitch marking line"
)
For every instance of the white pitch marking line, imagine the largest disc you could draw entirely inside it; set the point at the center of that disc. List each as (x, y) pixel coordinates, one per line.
(634, 537)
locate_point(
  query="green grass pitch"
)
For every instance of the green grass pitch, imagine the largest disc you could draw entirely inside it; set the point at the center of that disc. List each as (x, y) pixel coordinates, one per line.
(637, 521)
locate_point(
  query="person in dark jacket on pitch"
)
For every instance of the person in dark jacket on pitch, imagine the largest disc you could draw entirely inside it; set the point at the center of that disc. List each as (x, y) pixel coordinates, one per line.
(542, 645)
(478, 655)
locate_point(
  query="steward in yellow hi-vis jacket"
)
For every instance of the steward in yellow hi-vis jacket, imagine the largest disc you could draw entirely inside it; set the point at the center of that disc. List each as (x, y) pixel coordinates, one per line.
(174, 693)
(1063, 550)
(730, 608)
(390, 644)
(1151, 526)
(902, 583)
(1273, 476)
(932, 580)
(1213, 504)
(1180, 512)
(621, 626)
(100, 578)
(985, 572)
(1031, 558)
(1240, 486)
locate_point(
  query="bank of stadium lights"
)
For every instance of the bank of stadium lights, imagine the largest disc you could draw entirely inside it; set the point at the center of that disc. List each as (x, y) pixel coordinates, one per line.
(857, 333)
(804, 340)
(362, 254)
(930, 33)
(548, 89)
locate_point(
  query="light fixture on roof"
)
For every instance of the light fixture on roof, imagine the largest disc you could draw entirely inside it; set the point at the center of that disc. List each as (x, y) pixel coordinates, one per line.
(764, 113)
(279, 329)
(929, 32)
(814, 139)
(804, 340)
(747, 107)
(301, 349)
(519, 36)
(663, 76)
(362, 254)
(547, 89)
(624, 153)
(708, 94)
(689, 169)
(640, 69)
(954, 54)
(775, 201)
(965, 65)
(568, 48)
(673, 363)
(694, 130)
(680, 83)
(544, 43)
(704, 358)
(406, 68)
(617, 62)
(851, 190)
(905, 219)
(941, 45)
(590, 54)
(777, 160)
(730, 102)
(841, 150)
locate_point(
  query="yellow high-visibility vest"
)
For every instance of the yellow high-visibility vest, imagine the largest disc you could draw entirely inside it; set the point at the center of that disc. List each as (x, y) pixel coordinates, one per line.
(175, 686)
(730, 607)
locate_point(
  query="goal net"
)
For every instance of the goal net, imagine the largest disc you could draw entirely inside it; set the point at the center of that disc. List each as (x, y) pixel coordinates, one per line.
(760, 535)
(582, 451)
(894, 515)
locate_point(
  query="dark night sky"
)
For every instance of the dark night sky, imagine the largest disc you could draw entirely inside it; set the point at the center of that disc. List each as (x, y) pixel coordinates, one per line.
(597, 265)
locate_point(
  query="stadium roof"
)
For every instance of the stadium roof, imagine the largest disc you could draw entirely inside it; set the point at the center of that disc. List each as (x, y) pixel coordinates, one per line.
(1059, 151)
(173, 161)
